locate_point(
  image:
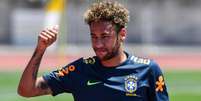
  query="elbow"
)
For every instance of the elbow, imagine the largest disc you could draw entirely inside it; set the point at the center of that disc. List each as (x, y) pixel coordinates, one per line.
(24, 92)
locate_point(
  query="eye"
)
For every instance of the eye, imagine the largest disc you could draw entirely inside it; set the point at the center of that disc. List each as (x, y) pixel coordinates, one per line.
(106, 36)
(93, 37)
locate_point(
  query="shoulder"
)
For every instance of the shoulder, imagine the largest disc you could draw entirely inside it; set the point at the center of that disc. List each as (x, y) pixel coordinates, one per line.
(75, 67)
(146, 61)
(140, 60)
(152, 64)
(136, 60)
(84, 60)
(155, 68)
(81, 62)
(89, 60)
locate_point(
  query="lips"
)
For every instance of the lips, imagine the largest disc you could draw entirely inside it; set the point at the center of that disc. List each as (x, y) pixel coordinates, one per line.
(100, 52)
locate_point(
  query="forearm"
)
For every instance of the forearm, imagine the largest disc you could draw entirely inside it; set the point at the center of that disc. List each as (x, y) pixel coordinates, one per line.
(28, 80)
(29, 84)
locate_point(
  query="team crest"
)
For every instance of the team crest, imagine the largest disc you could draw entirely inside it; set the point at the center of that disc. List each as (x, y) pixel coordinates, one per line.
(90, 60)
(131, 85)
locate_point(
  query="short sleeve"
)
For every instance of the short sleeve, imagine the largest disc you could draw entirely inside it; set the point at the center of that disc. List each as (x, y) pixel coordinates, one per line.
(158, 89)
(61, 80)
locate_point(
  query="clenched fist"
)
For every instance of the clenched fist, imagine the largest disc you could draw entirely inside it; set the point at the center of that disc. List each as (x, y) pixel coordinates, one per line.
(47, 37)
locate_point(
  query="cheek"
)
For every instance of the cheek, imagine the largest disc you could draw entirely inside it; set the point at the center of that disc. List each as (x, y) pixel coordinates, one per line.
(93, 43)
(111, 43)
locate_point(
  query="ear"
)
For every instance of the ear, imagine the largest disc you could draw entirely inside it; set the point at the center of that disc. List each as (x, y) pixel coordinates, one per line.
(123, 33)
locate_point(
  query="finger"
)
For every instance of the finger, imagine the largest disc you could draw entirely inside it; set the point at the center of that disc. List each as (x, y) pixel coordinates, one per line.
(43, 37)
(46, 33)
(53, 29)
(52, 32)
(47, 39)
(51, 39)
(56, 27)
(54, 37)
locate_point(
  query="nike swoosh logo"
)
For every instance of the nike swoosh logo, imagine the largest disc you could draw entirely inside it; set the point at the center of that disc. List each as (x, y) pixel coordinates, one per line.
(90, 83)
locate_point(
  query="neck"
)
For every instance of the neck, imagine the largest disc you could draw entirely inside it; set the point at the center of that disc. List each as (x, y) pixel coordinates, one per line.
(115, 61)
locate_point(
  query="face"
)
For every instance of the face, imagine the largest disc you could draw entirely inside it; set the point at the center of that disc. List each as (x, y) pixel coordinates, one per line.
(105, 40)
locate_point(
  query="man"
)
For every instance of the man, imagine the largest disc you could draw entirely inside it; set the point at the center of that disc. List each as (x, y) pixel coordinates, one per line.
(111, 75)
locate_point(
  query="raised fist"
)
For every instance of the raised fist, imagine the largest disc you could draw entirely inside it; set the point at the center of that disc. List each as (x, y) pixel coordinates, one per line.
(47, 36)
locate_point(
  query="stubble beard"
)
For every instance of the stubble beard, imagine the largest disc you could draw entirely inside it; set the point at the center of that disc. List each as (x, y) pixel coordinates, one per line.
(114, 52)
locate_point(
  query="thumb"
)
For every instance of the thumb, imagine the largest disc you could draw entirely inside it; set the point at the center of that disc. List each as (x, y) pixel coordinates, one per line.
(56, 27)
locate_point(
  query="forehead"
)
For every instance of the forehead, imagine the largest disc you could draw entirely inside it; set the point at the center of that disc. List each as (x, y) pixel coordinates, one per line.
(101, 27)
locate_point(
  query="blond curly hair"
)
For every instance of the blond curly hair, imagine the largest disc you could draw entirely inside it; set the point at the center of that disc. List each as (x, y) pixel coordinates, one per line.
(108, 11)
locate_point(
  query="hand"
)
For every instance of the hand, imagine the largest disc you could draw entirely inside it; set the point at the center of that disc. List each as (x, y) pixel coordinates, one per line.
(47, 37)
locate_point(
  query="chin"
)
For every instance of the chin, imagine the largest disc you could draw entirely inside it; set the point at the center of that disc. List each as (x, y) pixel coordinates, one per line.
(104, 58)
(100, 57)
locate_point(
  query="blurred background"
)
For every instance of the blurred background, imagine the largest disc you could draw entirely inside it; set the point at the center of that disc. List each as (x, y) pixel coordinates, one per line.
(168, 31)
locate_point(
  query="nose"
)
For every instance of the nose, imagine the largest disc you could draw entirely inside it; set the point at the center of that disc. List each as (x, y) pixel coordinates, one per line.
(98, 43)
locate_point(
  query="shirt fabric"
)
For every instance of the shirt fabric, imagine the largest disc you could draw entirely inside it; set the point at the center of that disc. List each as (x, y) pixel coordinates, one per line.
(136, 79)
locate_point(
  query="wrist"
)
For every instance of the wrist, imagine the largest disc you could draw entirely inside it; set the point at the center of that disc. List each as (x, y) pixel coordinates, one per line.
(41, 49)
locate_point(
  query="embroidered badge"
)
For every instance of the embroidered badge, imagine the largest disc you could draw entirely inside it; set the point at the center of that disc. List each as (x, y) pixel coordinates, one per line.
(89, 61)
(160, 84)
(130, 85)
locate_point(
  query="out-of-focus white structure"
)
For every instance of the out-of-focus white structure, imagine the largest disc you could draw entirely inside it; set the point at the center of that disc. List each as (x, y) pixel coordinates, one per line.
(152, 22)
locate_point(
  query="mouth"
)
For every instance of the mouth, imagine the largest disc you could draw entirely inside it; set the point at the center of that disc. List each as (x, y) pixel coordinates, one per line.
(100, 52)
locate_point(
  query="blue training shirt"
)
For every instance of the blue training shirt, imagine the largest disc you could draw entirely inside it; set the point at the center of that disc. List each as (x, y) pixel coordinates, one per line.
(136, 79)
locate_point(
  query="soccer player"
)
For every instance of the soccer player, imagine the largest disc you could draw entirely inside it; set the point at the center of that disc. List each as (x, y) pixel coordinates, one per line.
(111, 75)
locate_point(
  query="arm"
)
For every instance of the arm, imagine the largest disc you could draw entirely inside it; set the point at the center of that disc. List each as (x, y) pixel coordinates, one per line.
(158, 86)
(29, 84)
